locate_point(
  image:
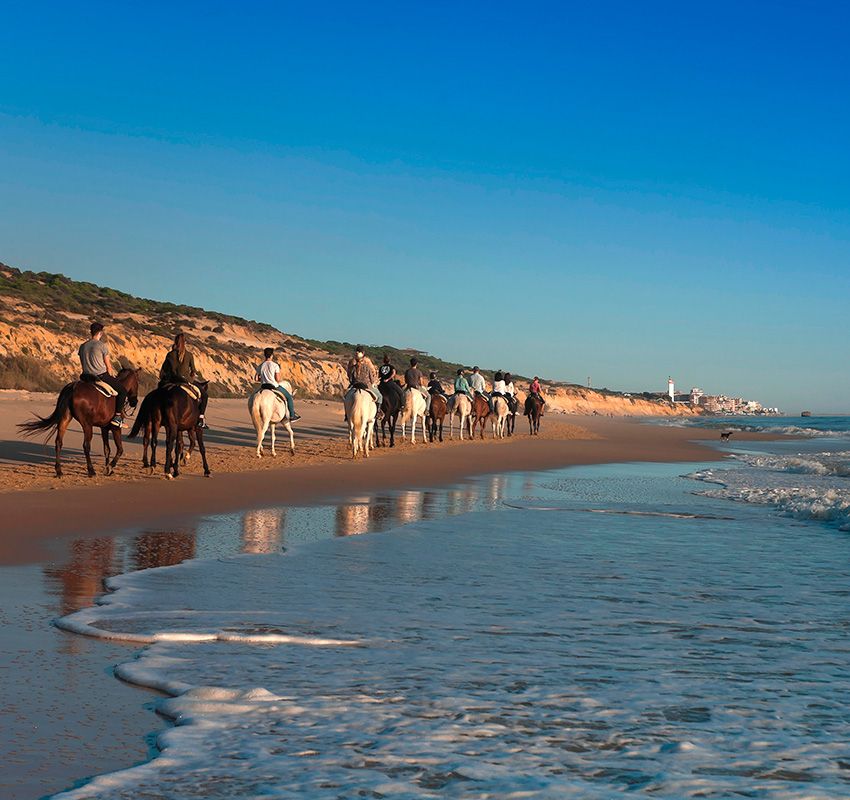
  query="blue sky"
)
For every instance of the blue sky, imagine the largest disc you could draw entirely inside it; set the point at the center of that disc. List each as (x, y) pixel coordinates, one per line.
(615, 190)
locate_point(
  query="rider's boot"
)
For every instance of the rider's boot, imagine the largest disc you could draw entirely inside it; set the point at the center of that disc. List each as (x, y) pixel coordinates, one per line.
(201, 423)
(117, 421)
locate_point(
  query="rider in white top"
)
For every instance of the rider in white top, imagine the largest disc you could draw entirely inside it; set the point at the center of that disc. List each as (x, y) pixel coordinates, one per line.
(268, 374)
(499, 387)
(476, 382)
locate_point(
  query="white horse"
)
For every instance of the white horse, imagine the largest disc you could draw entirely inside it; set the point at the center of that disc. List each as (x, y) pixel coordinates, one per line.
(461, 406)
(360, 410)
(499, 417)
(267, 409)
(415, 406)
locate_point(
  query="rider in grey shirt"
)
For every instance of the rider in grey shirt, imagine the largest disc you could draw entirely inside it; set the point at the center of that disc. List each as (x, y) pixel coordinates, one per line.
(94, 362)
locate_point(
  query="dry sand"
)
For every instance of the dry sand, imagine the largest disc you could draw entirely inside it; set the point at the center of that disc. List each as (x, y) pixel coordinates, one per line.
(34, 505)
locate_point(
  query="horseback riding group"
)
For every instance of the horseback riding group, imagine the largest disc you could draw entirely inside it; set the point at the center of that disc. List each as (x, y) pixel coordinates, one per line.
(379, 395)
(99, 400)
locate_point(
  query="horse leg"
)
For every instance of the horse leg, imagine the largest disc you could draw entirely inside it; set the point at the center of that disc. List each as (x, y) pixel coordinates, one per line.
(104, 432)
(442, 422)
(119, 450)
(203, 450)
(146, 440)
(87, 435)
(178, 452)
(169, 443)
(288, 426)
(272, 426)
(60, 435)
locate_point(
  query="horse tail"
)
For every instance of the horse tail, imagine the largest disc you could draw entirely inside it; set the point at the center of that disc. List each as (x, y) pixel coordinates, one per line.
(51, 423)
(143, 417)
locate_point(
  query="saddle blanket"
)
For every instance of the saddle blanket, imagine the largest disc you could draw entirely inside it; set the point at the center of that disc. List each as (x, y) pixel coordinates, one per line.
(193, 391)
(105, 389)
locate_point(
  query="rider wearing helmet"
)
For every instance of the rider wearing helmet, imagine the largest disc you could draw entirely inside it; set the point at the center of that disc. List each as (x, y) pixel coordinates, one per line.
(434, 386)
(388, 382)
(362, 373)
(462, 384)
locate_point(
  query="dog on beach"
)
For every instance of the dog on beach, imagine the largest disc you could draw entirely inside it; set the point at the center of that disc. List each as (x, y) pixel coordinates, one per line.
(724, 437)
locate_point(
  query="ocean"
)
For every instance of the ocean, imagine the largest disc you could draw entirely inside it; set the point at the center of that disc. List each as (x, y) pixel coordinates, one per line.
(678, 631)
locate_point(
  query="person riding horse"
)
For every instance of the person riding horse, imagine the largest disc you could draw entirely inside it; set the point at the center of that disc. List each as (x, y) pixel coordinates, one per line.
(499, 389)
(268, 375)
(388, 383)
(363, 375)
(413, 380)
(476, 382)
(462, 384)
(534, 390)
(179, 367)
(435, 387)
(94, 362)
(510, 392)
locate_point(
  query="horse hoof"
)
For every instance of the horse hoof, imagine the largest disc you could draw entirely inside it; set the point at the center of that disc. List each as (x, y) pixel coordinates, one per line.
(169, 476)
(207, 474)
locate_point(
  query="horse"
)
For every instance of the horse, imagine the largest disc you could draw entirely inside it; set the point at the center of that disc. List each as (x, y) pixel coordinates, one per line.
(391, 405)
(533, 410)
(360, 411)
(267, 409)
(480, 412)
(415, 406)
(460, 406)
(81, 400)
(173, 408)
(501, 410)
(510, 423)
(437, 415)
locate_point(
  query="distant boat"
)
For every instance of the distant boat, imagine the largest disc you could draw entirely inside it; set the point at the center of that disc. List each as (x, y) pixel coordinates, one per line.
(805, 413)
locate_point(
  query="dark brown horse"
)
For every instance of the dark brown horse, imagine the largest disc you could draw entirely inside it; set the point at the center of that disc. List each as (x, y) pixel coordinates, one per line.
(82, 401)
(533, 410)
(437, 415)
(172, 408)
(480, 412)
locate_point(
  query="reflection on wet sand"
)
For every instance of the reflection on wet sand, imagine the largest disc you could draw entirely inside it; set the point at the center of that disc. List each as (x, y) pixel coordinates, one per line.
(78, 581)
(262, 530)
(163, 548)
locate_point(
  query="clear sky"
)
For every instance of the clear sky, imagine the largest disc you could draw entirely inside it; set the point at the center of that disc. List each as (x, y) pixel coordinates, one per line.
(615, 190)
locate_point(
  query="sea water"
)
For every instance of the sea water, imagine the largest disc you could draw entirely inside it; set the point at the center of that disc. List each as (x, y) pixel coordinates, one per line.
(593, 632)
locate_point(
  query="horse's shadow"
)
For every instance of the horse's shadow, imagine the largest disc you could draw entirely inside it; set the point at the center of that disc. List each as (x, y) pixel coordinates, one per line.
(28, 452)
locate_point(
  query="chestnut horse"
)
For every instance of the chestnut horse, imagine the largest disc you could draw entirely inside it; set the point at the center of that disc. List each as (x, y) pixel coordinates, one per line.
(82, 401)
(533, 410)
(480, 412)
(172, 408)
(437, 415)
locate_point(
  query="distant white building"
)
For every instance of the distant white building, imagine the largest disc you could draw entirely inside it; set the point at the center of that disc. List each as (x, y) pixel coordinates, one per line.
(671, 390)
(696, 394)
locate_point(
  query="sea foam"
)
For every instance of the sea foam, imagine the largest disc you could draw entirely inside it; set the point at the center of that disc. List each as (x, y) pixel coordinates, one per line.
(508, 654)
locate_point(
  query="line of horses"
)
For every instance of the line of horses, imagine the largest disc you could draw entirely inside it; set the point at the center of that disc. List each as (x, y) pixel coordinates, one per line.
(472, 414)
(175, 408)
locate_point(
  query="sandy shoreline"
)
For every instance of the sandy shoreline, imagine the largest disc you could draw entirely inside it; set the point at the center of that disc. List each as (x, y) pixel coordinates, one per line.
(35, 506)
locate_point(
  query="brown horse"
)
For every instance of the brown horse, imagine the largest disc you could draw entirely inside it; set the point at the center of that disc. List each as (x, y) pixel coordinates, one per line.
(437, 415)
(480, 412)
(391, 405)
(174, 409)
(533, 410)
(82, 401)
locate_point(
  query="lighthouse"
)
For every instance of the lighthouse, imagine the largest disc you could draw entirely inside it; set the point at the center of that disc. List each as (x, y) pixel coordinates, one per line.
(671, 390)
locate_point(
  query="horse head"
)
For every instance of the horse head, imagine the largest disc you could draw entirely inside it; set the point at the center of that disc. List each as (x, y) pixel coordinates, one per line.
(130, 378)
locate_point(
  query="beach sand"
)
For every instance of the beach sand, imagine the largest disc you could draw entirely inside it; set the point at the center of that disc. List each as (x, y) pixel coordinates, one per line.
(36, 506)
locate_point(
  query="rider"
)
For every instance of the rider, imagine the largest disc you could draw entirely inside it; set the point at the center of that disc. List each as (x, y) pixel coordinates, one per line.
(476, 381)
(94, 361)
(510, 391)
(499, 389)
(268, 374)
(462, 384)
(434, 386)
(361, 370)
(413, 380)
(179, 367)
(534, 390)
(386, 374)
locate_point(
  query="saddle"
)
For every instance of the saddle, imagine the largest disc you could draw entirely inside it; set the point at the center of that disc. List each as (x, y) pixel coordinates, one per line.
(267, 387)
(193, 391)
(102, 386)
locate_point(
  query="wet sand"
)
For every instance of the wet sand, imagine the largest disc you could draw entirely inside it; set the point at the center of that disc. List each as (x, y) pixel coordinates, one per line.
(35, 506)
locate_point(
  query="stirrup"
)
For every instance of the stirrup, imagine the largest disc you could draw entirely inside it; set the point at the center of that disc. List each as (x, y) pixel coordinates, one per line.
(117, 421)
